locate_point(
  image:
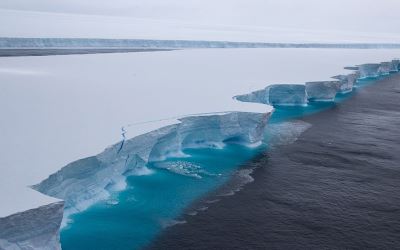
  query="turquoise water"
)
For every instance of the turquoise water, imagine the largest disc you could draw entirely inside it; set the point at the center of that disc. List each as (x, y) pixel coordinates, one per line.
(133, 217)
(151, 202)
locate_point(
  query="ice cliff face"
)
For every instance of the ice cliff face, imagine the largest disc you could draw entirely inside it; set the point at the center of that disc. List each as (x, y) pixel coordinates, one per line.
(322, 91)
(385, 68)
(347, 82)
(395, 65)
(278, 95)
(85, 181)
(369, 70)
(300, 94)
(32, 229)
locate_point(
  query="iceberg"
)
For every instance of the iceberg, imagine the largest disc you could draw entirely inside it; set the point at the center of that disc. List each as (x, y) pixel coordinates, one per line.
(323, 90)
(278, 95)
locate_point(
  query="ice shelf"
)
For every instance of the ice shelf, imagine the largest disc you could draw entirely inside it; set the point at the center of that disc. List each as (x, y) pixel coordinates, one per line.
(60, 113)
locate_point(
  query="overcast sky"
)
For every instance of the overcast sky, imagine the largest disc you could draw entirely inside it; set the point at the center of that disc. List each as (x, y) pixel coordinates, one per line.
(365, 16)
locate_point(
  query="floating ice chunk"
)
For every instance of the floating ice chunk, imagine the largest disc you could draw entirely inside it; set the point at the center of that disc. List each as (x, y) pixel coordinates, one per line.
(278, 95)
(347, 82)
(170, 223)
(183, 168)
(369, 70)
(323, 90)
(112, 202)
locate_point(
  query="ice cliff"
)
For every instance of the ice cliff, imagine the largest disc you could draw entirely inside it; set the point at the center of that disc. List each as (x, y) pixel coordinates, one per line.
(85, 181)
(322, 91)
(301, 94)
(347, 82)
(32, 229)
(277, 95)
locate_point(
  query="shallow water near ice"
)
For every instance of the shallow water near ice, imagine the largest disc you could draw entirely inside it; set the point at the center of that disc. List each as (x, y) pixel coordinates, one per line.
(151, 202)
(134, 217)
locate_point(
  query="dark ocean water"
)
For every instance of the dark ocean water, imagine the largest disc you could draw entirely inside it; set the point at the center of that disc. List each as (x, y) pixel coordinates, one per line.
(336, 187)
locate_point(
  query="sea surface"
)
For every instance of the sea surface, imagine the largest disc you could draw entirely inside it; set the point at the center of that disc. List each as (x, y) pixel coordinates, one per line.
(336, 187)
(325, 175)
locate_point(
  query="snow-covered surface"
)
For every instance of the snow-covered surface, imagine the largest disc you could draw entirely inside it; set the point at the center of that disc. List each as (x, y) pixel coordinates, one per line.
(57, 109)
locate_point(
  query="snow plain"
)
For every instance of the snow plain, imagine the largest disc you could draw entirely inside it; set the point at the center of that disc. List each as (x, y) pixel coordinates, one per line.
(57, 109)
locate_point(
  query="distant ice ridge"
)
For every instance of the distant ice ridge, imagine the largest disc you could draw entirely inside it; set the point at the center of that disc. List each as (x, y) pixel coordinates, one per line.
(32, 229)
(301, 94)
(17, 42)
(83, 182)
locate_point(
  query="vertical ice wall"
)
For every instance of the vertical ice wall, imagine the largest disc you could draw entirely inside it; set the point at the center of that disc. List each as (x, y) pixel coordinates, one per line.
(369, 70)
(347, 82)
(322, 91)
(32, 229)
(83, 182)
(293, 94)
(277, 95)
(385, 68)
(395, 65)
